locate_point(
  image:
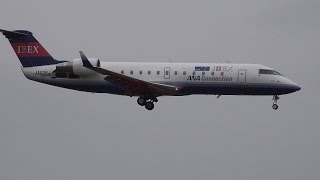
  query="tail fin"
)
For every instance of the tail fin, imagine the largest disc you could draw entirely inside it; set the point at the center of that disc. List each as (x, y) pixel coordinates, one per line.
(29, 51)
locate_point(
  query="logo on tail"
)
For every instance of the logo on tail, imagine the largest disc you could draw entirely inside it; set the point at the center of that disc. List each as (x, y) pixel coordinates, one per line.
(27, 49)
(33, 49)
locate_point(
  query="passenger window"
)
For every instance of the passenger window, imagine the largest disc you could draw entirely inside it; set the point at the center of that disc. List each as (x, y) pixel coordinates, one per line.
(149, 72)
(122, 71)
(212, 73)
(176, 73)
(131, 72)
(140, 72)
(184, 73)
(167, 73)
(193, 73)
(222, 73)
(158, 72)
(203, 73)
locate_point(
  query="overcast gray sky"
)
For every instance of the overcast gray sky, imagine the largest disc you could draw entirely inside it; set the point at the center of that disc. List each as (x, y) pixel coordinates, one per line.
(52, 133)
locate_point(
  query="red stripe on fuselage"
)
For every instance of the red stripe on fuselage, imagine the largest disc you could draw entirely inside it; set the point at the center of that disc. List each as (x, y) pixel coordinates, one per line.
(29, 49)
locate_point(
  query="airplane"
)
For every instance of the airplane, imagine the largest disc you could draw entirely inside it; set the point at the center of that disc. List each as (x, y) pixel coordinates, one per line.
(146, 80)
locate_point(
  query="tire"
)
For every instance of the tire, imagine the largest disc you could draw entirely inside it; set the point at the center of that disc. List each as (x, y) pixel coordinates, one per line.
(149, 105)
(141, 101)
(275, 106)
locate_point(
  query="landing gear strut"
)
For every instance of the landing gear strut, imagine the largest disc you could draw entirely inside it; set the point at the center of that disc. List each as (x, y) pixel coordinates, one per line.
(147, 102)
(275, 100)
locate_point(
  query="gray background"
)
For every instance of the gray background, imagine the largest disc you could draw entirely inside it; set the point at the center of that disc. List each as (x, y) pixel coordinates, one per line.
(52, 133)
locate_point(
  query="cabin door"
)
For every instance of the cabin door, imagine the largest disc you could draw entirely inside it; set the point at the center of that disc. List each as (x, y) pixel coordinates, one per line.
(167, 72)
(242, 76)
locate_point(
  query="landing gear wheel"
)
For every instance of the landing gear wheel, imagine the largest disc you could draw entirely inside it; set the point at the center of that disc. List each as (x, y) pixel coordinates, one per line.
(141, 101)
(275, 100)
(149, 105)
(275, 106)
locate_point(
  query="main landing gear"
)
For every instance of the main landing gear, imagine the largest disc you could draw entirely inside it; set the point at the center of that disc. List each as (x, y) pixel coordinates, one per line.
(275, 100)
(147, 102)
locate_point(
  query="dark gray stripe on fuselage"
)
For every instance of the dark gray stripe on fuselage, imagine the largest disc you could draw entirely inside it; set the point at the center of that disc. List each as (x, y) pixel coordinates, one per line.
(187, 88)
(234, 89)
(82, 85)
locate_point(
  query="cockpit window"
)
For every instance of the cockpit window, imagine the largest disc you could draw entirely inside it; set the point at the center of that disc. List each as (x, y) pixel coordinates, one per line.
(268, 71)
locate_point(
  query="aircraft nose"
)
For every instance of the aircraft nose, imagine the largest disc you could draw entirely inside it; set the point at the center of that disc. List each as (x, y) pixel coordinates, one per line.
(296, 88)
(292, 86)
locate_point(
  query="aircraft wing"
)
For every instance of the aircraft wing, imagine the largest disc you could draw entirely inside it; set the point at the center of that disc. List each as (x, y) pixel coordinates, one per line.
(136, 86)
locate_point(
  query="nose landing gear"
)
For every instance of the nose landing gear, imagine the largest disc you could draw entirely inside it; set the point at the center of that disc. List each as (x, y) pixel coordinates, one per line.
(275, 100)
(147, 102)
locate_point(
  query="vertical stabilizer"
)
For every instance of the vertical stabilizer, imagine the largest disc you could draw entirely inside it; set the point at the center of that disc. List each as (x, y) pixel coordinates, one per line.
(29, 51)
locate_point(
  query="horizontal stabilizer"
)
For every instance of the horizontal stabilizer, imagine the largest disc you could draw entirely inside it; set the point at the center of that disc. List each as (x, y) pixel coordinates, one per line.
(12, 33)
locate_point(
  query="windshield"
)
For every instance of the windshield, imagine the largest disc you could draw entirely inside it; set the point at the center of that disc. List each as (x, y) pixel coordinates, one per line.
(268, 71)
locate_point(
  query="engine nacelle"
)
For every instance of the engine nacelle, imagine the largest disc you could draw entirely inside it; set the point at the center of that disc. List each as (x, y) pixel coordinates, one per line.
(80, 70)
(75, 68)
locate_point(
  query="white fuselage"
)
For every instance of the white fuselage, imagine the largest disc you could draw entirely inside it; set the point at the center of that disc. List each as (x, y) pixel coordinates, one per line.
(146, 80)
(194, 78)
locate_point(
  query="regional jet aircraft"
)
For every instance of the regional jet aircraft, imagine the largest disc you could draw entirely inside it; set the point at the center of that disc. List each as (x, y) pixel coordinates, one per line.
(147, 81)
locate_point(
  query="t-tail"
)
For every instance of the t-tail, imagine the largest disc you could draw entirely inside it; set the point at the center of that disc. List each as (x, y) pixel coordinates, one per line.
(29, 51)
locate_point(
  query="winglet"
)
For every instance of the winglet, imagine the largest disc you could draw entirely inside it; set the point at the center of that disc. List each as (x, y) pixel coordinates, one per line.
(86, 63)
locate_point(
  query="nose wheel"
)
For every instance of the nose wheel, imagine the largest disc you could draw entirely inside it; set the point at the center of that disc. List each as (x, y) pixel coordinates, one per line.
(275, 106)
(147, 102)
(275, 101)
